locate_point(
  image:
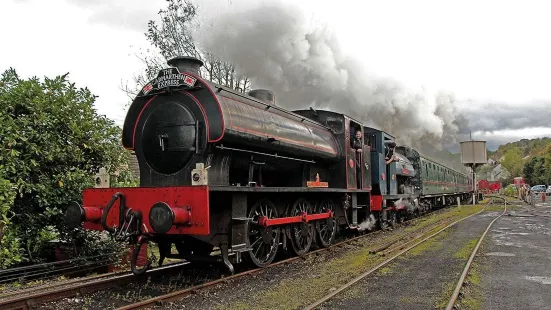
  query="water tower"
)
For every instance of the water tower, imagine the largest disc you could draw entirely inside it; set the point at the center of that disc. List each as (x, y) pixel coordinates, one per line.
(474, 154)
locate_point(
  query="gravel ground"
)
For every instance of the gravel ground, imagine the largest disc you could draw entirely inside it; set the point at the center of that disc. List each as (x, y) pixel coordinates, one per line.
(422, 279)
(513, 268)
(294, 285)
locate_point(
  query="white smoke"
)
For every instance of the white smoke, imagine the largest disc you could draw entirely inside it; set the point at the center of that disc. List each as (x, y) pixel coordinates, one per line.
(368, 224)
(410, 207)
(273, 45)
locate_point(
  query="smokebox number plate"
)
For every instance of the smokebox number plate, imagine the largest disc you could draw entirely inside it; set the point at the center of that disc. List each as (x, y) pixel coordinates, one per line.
(169, 77)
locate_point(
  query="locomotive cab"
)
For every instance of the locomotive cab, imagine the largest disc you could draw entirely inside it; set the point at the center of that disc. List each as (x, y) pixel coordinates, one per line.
(344, 174)
(383, 176)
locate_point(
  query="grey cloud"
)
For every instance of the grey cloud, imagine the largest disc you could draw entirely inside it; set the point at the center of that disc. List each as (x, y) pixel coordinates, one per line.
(493, 116)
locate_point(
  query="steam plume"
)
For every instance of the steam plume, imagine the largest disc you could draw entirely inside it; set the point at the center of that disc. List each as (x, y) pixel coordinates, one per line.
(368, 224)
(304, 66)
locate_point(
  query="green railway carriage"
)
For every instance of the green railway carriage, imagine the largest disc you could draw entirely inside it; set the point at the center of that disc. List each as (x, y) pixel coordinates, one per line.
(437, 179)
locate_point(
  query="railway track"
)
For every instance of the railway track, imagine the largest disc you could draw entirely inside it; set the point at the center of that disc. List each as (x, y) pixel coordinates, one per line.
(407, 248)
(47, 271)
(27, 299)
(30, 298)
(400, 240)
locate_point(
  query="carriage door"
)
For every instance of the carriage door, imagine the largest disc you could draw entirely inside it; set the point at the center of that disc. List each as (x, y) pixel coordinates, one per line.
(367, 163)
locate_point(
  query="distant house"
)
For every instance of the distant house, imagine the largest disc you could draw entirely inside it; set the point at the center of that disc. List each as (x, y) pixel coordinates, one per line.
(498, 173)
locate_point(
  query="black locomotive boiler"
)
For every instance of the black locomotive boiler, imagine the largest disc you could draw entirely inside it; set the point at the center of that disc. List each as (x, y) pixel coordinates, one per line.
(235, 171)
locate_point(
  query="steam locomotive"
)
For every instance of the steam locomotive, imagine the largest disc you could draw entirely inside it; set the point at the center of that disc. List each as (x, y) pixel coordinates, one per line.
(219, 168)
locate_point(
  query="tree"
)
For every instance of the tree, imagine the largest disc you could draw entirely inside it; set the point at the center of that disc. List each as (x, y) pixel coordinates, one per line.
(538, 169)
(52, 141)
(513, 161)
(534, 170)
(547, 164)
(173, 37)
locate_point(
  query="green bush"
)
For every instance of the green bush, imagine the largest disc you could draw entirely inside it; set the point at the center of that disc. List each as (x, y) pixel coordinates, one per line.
(52, 142)
(509, 191)
(94, 246)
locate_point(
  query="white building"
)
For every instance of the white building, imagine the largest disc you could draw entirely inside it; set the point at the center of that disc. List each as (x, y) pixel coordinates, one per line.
(499, 172)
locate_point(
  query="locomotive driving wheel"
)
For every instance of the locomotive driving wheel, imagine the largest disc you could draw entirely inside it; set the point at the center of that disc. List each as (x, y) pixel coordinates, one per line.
(326, 228)
(302, 234)
(262, 242)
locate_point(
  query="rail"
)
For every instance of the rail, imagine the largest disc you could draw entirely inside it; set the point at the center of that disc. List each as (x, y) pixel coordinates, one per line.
(469, 263)
(29, 299)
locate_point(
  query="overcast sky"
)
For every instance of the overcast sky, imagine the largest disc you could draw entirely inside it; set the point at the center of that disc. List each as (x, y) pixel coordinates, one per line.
(495, 53)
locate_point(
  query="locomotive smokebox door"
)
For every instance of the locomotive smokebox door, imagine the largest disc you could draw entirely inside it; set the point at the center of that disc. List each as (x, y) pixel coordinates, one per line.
(171, 134)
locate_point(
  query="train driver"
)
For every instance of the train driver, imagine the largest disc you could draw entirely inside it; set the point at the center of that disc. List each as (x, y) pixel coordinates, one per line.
(357, 145)
(390, 157)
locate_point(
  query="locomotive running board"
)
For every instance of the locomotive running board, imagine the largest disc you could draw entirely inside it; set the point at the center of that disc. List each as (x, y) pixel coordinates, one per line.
(248, 189)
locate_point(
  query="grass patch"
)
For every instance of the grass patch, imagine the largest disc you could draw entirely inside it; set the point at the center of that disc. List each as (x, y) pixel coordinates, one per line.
(452, 213)
(467, 249)
(446, 294)
(154, 255)
(472, 293)
(495, 208)
(500, 208)
(432, 244)
(484, 201)
(385, 270)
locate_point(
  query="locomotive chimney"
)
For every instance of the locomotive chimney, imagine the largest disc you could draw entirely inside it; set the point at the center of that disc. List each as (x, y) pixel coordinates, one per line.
(264, 95)
(186, 64)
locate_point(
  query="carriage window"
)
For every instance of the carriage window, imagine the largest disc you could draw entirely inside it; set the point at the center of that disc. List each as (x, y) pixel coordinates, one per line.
(336, 124)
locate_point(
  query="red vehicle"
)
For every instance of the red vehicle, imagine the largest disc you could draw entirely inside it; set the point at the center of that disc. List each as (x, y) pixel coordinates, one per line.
(495, 186)
(484, 186)
(518, 181)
